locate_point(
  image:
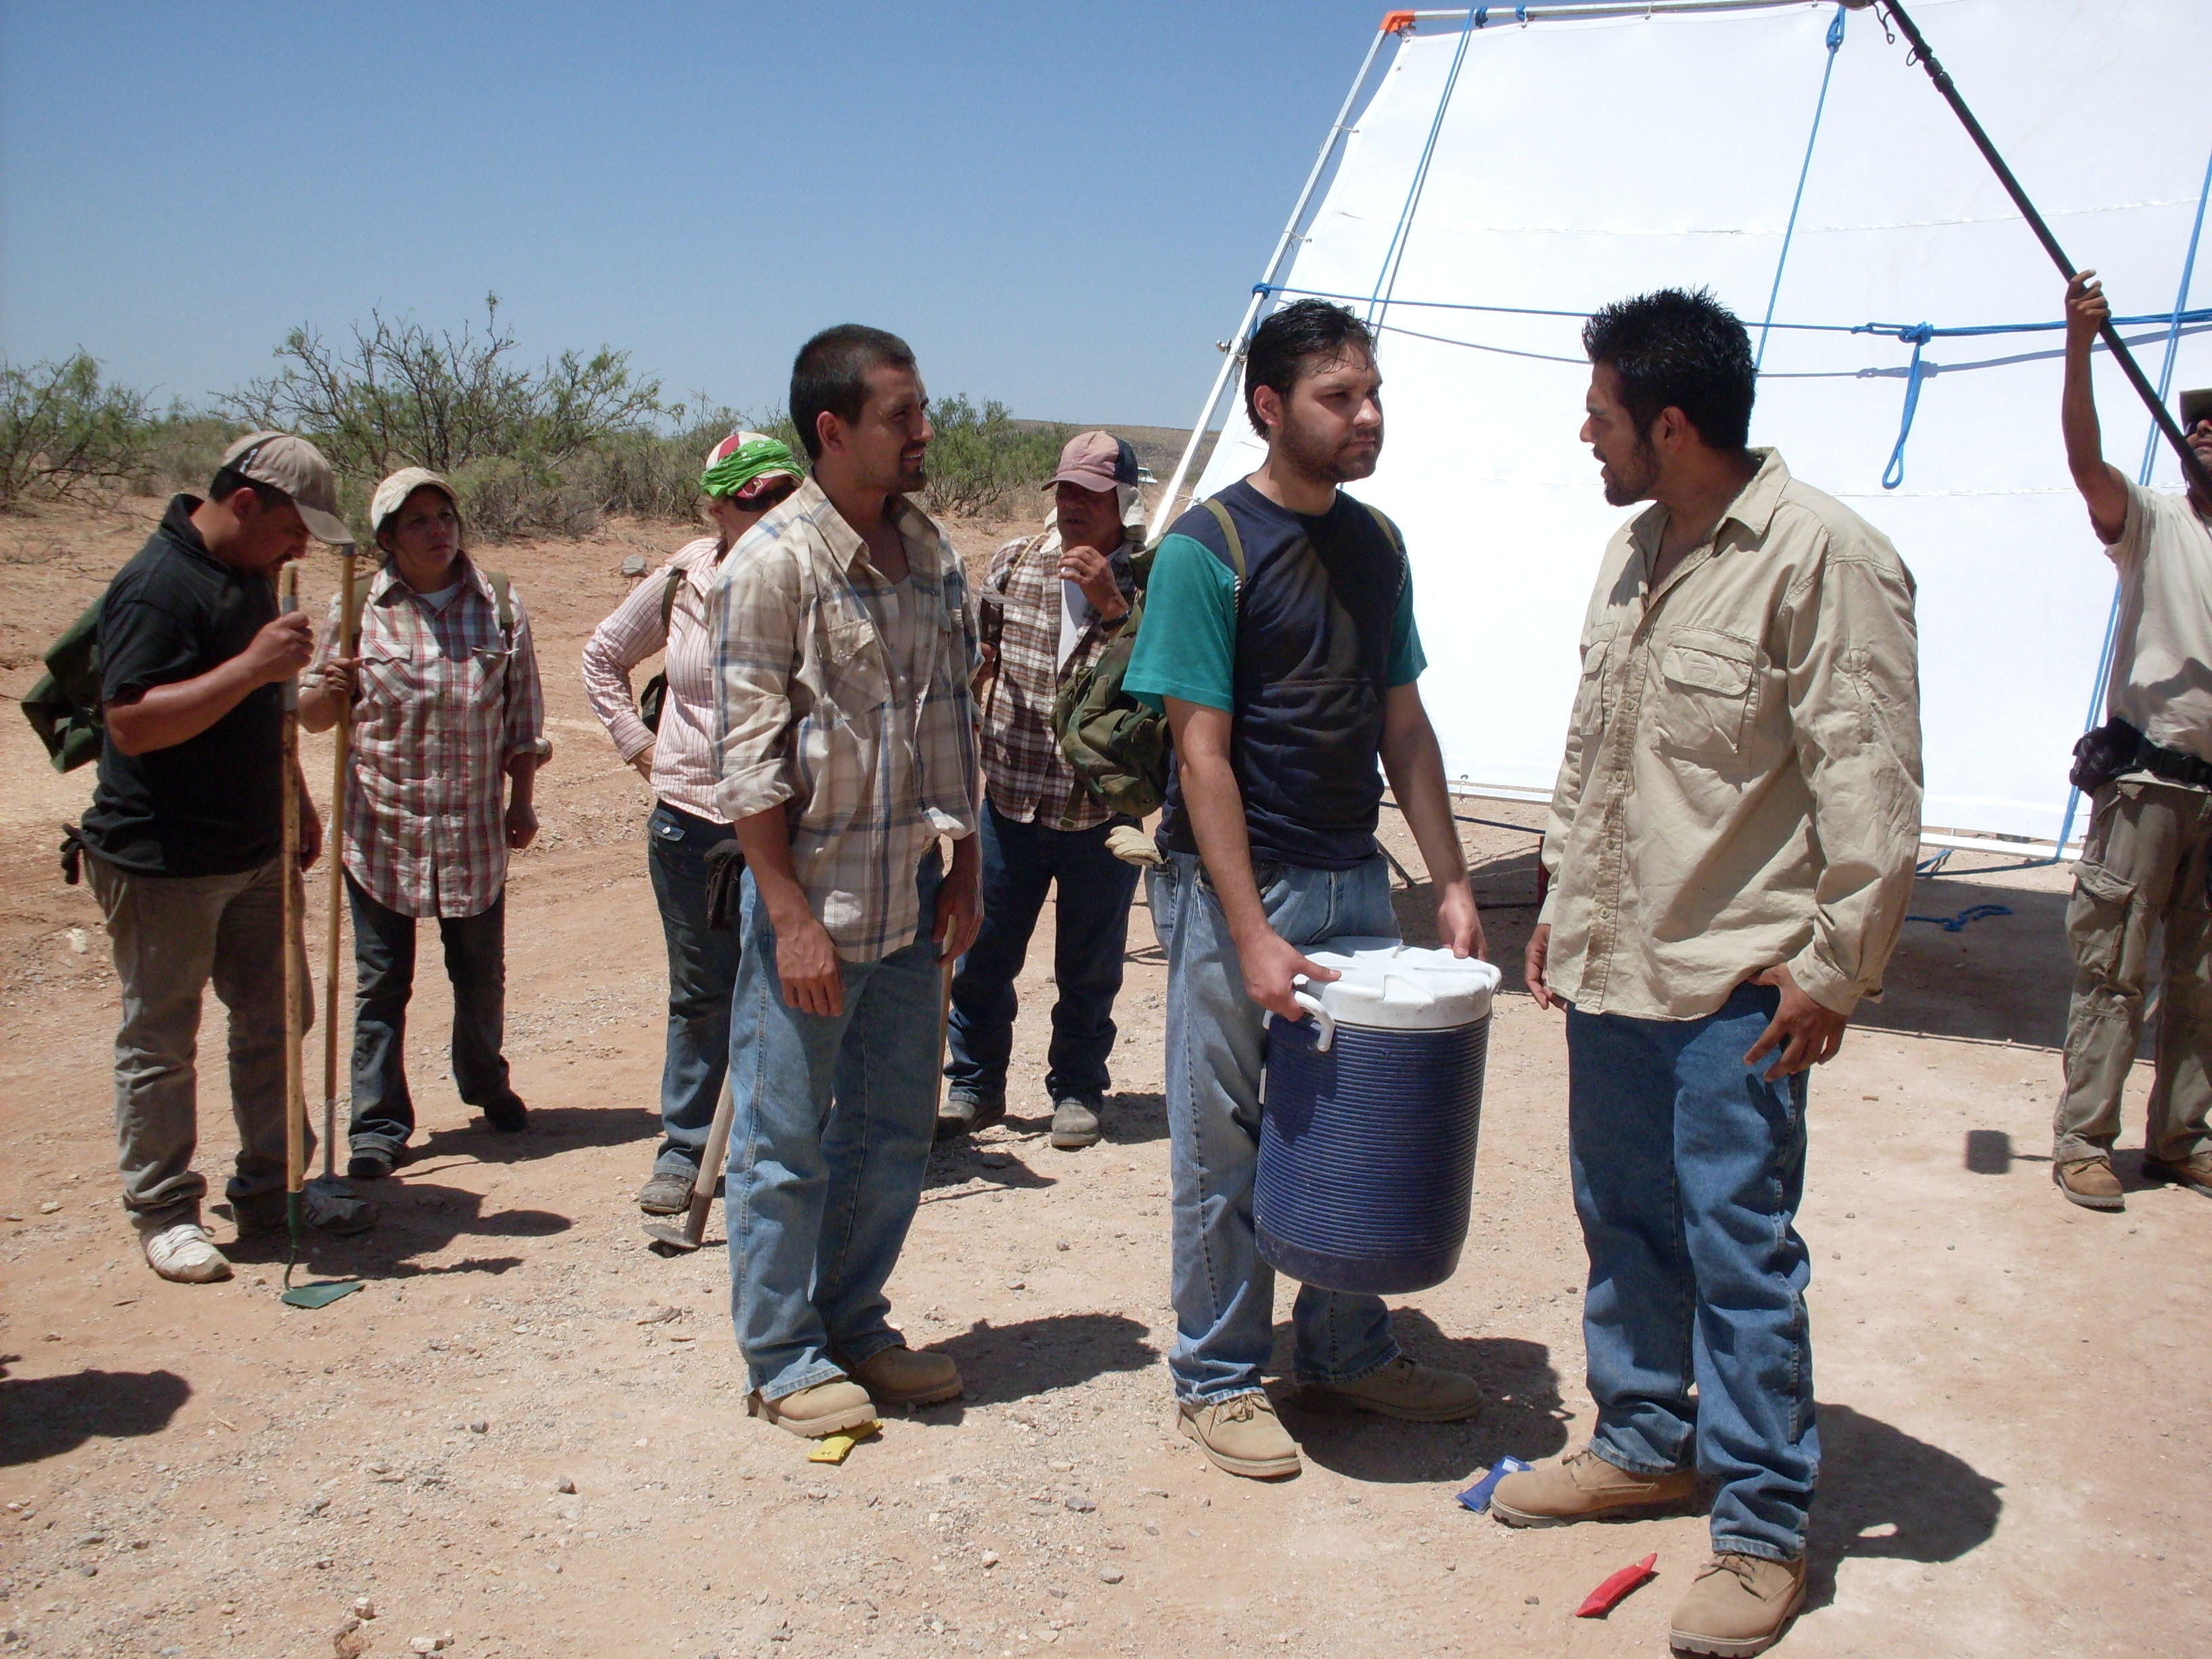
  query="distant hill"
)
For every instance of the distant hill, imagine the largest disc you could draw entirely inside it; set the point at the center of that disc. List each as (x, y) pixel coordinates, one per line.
(1158, 447)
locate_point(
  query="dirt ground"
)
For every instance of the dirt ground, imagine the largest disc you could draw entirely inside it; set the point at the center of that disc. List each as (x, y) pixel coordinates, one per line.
(2009, 1386)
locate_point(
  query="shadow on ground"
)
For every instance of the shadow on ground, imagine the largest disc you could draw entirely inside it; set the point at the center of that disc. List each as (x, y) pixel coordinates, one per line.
(1885, 1496)
(1002, 1363)
(43, 1416)
(418, 1218)
(1522, 1414)
(1995, 979)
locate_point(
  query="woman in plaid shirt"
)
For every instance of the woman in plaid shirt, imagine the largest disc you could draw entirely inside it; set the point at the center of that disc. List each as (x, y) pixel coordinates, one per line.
(448, 730)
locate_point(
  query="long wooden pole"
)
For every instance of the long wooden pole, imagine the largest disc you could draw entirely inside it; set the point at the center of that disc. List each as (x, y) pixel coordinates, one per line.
(333, 842)
(2192, 468)
(296, 1093)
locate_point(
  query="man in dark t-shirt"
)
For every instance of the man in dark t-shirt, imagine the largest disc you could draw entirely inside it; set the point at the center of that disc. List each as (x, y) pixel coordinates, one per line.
(183, 835)
(1285, 657)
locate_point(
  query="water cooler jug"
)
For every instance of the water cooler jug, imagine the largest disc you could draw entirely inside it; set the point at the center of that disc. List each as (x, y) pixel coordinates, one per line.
(1370, 1109)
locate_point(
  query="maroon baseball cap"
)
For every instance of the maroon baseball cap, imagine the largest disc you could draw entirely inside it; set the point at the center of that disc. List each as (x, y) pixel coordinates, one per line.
(1096, 460)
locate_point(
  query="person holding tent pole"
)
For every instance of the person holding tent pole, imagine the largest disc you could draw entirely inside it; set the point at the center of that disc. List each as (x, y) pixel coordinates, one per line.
(448, 731)
(1731, 850)
(1050, 603)
(2146, 859)
(670, 739)
(842, 649)
(184, 839)
(1278, 640)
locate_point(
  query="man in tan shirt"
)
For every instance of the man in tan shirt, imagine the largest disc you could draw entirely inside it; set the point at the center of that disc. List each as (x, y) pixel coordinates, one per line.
(2148, 857)
(1731, 851)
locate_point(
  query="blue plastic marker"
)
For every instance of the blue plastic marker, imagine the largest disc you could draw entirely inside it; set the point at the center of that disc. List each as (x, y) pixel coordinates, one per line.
(1477, 1497)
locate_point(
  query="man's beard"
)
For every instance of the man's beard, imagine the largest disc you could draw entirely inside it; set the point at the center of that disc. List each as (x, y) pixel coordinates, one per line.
(1625, 489)
(1312, 457)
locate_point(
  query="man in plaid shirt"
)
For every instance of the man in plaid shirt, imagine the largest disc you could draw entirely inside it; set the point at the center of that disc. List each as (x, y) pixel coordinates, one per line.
(1050, 603)
(842, 649)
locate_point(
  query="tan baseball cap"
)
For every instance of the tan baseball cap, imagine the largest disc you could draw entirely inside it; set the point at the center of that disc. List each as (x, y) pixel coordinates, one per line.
(1096, 460)
(298, 468)
(392, 495)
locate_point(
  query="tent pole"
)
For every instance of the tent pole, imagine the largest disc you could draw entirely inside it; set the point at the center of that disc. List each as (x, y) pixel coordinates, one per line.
(2200, 482)
(1164, 514)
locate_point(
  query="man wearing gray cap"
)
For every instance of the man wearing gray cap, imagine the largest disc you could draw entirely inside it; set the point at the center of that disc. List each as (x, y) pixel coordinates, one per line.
(1049, 602)
(2148, 770)
(185, 841)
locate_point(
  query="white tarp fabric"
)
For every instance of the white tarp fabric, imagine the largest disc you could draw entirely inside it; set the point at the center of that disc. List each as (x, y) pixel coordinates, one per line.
(1578, 162)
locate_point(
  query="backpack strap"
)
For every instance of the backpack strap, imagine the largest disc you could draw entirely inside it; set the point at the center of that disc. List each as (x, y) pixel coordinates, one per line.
(1397, 543)
(668, 598)
(502, 594)
(1212, 504)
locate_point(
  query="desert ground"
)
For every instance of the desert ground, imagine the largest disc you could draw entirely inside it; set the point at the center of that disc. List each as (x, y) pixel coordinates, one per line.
(526, 1436)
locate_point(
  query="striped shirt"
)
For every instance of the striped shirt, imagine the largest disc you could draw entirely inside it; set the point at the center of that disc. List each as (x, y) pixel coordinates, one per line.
(443, 700)
(873, 764)
(683, 750)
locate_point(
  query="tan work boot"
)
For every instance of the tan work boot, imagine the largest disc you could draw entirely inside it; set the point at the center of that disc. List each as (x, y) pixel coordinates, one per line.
(1414, 1394)
(1243, 1435)
(1738, 1605)
(2194, 1171)
(900, 1376)
(2090, 1182)
(830, 1408)
(1583, 1486)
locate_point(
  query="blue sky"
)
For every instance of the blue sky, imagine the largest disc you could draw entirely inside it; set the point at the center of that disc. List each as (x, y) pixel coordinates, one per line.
(1060, 205)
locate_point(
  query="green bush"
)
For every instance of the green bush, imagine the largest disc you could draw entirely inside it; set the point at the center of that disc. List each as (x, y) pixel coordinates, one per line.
(65, 432)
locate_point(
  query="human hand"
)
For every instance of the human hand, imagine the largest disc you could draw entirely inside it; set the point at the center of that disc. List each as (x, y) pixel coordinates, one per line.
(1271, 962)
(1093, 572)
(806, 962)
(2087, 310)
(521, 824)
(311, 832)
(1458, 924)
(959, 909)
(281, 650)
(1807, 1032)
(643, 761)
(1533, 966)
(340, 679)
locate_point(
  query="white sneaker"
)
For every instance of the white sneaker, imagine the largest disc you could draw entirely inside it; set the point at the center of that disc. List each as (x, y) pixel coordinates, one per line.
(184, 1252)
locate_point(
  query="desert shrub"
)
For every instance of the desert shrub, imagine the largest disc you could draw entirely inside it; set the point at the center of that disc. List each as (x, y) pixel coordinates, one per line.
(66, 432)
(979, 457)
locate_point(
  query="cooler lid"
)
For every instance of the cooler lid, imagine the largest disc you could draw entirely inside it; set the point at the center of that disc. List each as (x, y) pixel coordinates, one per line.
(1400, 986)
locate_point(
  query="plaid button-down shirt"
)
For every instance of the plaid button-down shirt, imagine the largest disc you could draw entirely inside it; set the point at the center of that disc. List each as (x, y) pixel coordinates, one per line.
(443, 701)
(1030, 779)
(808, 715)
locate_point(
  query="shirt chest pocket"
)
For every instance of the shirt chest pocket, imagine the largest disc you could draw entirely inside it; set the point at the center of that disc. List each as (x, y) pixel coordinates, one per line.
(483, 677)
(1704, 689)
(1591, 710)
(853, 672)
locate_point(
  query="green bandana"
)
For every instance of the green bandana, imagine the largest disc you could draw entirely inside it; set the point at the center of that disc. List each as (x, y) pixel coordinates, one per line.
(747, 462)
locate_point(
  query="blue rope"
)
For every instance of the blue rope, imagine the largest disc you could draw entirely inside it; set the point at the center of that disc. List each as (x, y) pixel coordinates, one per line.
(1835, 39)
(1394, 256)
(1893, 474)
(1965, 918)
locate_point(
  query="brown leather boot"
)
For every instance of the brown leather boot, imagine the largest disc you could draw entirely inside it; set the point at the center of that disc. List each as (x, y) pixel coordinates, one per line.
(2194, 1171)
(900, 1376)
(828, 1407)
(1583, 1486)
(1738, 1606)
(2090, 1182)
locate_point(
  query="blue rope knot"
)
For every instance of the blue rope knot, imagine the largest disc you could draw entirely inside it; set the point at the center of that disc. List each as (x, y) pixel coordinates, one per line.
(1482, 17)
(1920, 334)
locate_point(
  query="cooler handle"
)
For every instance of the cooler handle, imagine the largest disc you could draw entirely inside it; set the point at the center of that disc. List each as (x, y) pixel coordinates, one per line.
(1324, 1022)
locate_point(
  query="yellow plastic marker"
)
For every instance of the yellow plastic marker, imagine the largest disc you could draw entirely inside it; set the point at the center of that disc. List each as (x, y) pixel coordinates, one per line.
(837, 1448)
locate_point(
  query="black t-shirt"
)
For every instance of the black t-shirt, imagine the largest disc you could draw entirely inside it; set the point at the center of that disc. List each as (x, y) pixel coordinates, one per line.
(212, 805)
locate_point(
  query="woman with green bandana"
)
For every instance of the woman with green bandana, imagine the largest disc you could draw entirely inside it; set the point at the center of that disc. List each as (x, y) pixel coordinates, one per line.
(670, 741)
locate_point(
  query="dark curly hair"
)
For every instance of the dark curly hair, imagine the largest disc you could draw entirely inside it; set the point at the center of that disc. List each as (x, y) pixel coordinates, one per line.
(1679, 350)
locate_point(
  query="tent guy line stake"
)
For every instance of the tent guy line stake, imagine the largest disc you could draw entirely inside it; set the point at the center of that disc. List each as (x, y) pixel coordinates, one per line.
(2191, 469)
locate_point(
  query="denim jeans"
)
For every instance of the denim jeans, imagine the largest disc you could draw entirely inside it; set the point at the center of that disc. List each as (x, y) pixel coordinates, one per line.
(174, 936)
(1688, 1167)
(1224, 1292)
(384, 971)
(702, 974)
(1090, 936)
(835, 1116)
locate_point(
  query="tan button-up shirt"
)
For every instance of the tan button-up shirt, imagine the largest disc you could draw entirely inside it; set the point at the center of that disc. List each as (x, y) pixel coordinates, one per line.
(2161, 678)
(1741, 782)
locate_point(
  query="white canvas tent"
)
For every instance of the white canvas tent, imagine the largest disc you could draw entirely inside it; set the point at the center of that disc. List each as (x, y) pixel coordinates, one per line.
(1498, 173)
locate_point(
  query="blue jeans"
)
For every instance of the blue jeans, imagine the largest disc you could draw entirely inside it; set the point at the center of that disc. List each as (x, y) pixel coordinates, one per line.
(1688, 1167)
(1224, 1292)
(702, 974)
(1090, 936)
(384, 974)
(835, 1116)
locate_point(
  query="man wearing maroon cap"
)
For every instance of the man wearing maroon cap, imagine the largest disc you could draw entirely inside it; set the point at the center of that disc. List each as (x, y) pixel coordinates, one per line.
(1050, 603)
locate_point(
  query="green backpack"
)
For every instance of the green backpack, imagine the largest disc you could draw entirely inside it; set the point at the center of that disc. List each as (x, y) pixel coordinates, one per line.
(63, 707)
(1119, 746)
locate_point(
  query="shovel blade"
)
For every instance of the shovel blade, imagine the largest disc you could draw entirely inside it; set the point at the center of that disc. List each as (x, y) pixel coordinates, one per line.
(319, 1296)
(670, 1241)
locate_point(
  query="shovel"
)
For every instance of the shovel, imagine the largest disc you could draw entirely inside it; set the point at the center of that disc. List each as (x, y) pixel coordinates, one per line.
(670, 1241)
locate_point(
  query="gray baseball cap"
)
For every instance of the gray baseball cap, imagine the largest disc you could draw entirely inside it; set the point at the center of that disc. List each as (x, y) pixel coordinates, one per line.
(299, 469)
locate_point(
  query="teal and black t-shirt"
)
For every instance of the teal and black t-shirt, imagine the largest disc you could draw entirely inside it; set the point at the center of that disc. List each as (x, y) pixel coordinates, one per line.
(1301, 661)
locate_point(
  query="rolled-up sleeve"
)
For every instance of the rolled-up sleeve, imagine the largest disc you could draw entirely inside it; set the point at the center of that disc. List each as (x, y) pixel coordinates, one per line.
(753, 617)
(524, 731)
(1855, 699)
(627, 636)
